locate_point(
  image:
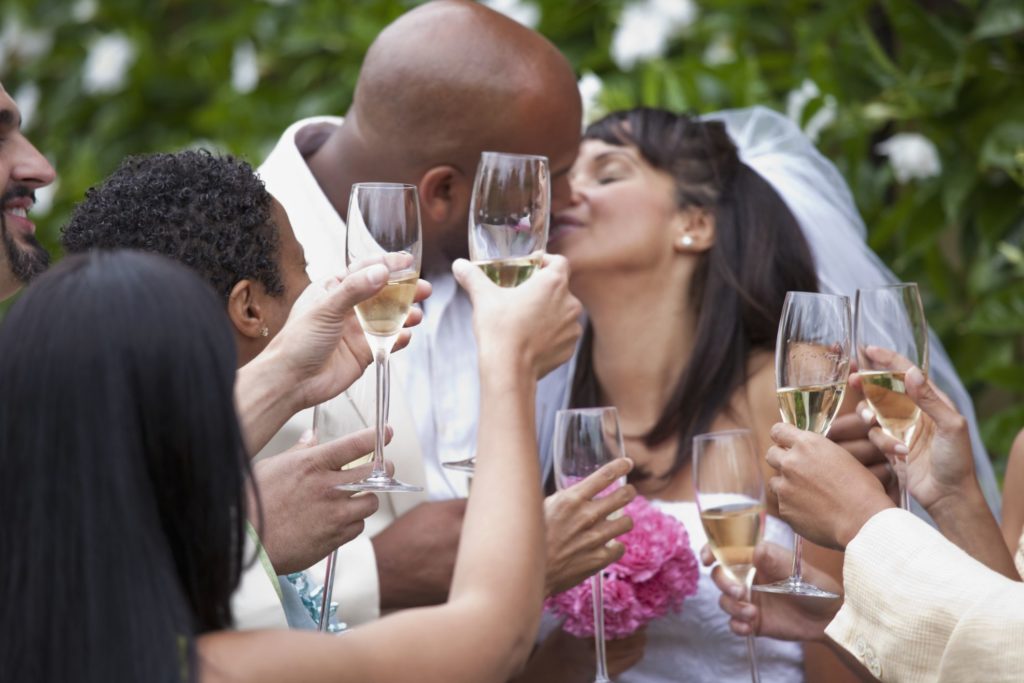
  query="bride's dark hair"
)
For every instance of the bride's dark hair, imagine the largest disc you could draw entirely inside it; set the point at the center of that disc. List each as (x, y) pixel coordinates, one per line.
(740, 283)
(122, 491)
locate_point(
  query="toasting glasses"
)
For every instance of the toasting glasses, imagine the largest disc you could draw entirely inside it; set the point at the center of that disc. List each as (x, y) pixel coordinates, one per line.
(730, 497)
(509, 215)
(585, 440)
(891, 335)
(384, 224)
(812, 364)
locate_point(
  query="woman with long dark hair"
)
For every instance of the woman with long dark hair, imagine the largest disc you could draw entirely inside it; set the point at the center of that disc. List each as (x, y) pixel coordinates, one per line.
(682, 256)
(122, 500)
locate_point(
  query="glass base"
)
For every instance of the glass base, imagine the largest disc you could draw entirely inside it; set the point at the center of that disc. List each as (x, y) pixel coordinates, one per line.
(792, 587)
(468, 465)
(380, 485)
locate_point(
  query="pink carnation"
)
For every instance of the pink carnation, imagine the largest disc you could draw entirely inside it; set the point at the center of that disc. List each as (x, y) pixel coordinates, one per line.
(657, 572)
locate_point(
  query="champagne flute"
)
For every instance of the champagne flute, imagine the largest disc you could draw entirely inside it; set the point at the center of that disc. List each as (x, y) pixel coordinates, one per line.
(585, 440)
(509, 216)
(812, 364)
(384, 224)
(730, 498)
(891, 335)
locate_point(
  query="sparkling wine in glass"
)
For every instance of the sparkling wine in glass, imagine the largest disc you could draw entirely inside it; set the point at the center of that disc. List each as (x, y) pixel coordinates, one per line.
(509, 216)
(812, 364)
(585, 440)
(891, 335)
(730, 497)
(384, 225)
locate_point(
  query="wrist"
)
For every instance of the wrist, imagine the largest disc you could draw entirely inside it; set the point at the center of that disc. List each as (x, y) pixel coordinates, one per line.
(958, 504)
(861, 515)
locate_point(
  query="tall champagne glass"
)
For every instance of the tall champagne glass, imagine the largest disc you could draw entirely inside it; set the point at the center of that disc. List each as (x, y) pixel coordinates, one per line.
(384, 224)
(509, 216)
(730, 497)
(812, 364)
(891, 335)
(585, 440)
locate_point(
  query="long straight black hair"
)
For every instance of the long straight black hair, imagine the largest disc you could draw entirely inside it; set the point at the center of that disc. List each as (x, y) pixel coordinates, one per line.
(122, 472)
(738, 286)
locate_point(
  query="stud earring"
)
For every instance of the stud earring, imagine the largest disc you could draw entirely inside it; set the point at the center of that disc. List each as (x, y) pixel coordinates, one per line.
(264, 331)
(686, 241)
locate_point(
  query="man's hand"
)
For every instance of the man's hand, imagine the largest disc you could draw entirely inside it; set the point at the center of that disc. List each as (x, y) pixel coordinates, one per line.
(563, 658)
(824, 493)
(777, 616)
(304, 516)
(416, 554)
(537, 322)
(580, 536)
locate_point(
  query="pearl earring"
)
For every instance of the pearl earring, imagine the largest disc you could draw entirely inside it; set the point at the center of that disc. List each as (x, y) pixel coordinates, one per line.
(686, 241)
(264, 331)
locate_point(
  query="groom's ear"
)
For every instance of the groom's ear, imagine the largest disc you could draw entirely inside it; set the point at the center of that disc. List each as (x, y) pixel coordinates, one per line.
(444, 194)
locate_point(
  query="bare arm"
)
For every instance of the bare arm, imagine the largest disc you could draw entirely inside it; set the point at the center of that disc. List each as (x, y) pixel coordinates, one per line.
(485, 631)
(1013, 495)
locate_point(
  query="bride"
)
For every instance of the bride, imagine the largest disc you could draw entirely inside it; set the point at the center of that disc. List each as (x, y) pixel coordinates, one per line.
(682, 256)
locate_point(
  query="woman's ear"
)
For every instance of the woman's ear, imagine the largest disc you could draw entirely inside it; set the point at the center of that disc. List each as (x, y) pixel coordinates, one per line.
(245, 312)
(694, 230)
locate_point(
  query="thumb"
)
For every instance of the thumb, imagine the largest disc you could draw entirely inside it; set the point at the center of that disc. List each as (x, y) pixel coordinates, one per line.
(930, 400)
(355, 287)
(773, 562)
(471, 278)
(336, 454)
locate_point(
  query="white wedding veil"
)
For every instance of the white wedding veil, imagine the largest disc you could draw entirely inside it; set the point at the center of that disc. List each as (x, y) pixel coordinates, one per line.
(820, 199)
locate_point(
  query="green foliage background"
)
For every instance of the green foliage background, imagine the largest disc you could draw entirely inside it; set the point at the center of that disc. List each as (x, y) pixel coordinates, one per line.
(953, 71)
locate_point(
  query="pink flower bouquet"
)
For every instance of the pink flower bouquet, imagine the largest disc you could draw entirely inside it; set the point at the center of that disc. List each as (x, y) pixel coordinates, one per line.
(655, 575)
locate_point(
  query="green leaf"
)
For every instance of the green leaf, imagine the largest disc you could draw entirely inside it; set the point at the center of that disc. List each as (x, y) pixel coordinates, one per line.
(1003, 149)
(999, 18)
(1000, 313)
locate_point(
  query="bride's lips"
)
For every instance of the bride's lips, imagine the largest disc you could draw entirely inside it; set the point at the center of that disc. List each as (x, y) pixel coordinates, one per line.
(562, 224)
(16, 214)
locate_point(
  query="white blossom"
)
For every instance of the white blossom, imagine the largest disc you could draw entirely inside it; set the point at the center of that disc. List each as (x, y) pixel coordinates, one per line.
(822, 119)
(21, 43)
(245, 68)
(84, 10)
(526, 13)
(720, 51)
(27, 99)
(44, 198)
(911, 156)
(645, 28)
(106, 66)
(590, 86)
(799, 98)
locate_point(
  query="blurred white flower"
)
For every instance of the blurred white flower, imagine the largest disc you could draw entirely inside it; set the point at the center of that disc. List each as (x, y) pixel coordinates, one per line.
(20, 43)
(720, 51)
(44, 198)
(245, 68)
(645, 28)
(798, 99)
(27, 99)
(526, 13)
(590, 86)
(911, 155)
(84, 10)
(278, 3)
(107, 64)
(822, 119)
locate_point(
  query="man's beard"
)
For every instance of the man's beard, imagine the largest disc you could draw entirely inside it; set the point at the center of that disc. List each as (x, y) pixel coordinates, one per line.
(25, 261)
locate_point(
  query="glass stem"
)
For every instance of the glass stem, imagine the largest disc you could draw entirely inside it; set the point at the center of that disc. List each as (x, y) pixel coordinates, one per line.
(381, 363)
(900, 465)
(599, 649)
(325, 606)
(755, 676)
(797, 576)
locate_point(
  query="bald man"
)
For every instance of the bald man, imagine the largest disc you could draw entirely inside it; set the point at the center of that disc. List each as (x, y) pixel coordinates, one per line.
(23, 170)
(441, 84)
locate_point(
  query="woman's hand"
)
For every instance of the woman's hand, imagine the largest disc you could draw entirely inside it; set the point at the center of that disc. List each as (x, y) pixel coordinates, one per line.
(535, 324)
(785, 617)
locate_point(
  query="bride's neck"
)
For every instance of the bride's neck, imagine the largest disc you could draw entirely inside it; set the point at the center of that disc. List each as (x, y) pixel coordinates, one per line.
(643, 338)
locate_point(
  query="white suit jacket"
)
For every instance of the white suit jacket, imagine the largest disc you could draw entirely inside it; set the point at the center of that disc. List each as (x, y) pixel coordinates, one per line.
(917, 608)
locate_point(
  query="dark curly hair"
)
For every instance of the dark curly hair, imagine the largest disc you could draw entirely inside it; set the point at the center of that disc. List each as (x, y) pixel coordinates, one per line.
(210, 212)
